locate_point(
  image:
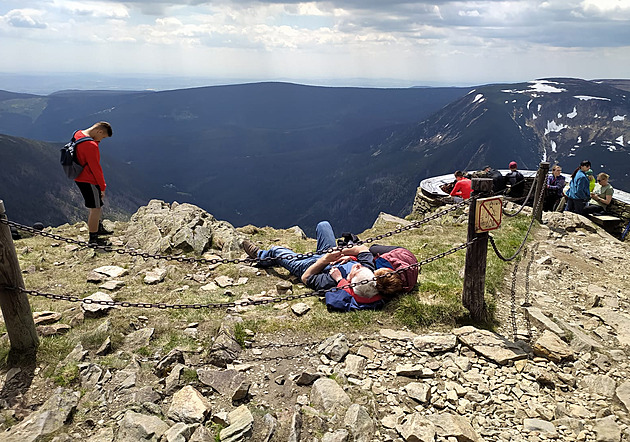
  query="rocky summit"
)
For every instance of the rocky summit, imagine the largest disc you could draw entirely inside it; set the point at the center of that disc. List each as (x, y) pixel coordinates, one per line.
(555, 367)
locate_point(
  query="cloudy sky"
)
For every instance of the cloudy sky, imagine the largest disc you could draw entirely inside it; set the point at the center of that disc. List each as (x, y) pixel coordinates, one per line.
(385, 42)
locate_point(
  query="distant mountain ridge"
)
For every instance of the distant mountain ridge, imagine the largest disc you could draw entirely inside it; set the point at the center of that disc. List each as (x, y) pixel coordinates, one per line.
(283, 154)
(557, 120)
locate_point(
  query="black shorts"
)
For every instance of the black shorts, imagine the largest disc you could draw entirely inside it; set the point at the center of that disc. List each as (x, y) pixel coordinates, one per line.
(91, 194)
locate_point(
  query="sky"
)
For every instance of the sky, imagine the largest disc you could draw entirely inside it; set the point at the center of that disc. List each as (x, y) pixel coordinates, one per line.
(385, 43)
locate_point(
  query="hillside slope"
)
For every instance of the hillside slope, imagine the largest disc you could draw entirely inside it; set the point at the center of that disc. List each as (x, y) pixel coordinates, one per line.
(35, 189)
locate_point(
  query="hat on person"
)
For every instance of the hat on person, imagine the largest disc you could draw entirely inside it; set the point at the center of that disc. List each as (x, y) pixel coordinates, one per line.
(486, 167)
(589, 172)
(513, 164)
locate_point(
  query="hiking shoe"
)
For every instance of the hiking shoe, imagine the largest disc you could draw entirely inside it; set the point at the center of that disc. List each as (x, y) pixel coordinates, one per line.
(99, 242)
(103, 231)
(251, 249)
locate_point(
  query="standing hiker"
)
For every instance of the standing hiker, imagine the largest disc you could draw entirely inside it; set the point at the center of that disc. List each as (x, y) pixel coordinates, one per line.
(91, 181)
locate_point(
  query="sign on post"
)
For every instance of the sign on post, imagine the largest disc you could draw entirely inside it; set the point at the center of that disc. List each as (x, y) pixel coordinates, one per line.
(488, 214)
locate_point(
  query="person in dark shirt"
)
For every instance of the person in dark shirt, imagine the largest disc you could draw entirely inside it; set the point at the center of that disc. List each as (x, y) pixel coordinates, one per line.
(498, 183)
(514, 181)
(554, 185)
(315, 271)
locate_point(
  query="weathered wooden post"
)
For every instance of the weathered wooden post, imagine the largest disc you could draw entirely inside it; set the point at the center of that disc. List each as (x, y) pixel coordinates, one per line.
(476, 253)
(541, 178)
(16, 309)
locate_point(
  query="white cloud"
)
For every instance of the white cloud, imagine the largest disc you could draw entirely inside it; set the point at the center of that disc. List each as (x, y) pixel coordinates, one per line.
(448, 41)
(25, 18)
(95, 9)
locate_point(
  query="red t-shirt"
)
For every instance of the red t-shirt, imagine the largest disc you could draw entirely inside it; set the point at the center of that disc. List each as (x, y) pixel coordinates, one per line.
(462, 188)
(89, 157)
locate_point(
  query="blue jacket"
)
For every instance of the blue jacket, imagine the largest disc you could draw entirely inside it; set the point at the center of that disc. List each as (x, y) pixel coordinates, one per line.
(578, 188)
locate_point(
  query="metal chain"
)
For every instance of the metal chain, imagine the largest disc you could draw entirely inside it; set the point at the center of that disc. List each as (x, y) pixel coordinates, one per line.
(527, 302)
(213, 261)
(222, 305)
(513, 302)
(506, 213)
(520, 247)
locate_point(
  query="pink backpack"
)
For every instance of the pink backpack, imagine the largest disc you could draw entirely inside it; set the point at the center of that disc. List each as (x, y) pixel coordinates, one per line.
(401, 257)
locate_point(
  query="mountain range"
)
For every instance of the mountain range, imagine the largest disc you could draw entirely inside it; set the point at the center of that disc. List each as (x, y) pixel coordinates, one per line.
(283, 154)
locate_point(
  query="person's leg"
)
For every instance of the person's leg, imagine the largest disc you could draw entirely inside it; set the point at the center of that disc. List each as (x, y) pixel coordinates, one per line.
(93, 219)
(579, 206)
(326, 238)
(286, 258)
(592, 209)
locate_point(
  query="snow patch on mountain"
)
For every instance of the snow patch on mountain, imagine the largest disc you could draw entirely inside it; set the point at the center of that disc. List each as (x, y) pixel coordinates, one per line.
(619, 117)
(572, 114)
(479, 98)
(543, 86)
(588, 97)
(552, 126)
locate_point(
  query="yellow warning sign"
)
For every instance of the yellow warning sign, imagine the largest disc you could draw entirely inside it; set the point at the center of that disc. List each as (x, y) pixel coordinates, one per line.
(488, 214)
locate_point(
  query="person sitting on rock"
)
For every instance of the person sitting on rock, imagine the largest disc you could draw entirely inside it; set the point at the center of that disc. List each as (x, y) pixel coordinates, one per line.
(601, 196)
(514, 181)
(463, 187)
(498, 182)
(554, 184)
(315, 271)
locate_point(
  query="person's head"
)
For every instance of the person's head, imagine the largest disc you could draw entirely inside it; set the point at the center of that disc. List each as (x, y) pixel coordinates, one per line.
(602, 178)
(357, 275)
(387, 282)
(486, 168)
(589, 175)
(556, 170)
(584, 166)
(100, 130)
(459, 175)
(513, 165)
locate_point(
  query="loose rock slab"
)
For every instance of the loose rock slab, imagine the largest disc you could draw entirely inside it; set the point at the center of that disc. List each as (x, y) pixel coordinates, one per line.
(112, 271)
(95, 310)
(490, 345)
(435, 342)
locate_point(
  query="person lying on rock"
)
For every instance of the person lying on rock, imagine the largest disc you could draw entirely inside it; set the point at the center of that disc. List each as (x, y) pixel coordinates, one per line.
(322, 271)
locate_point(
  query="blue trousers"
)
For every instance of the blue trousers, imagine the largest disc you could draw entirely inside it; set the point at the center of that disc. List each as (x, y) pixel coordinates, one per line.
(297, 266)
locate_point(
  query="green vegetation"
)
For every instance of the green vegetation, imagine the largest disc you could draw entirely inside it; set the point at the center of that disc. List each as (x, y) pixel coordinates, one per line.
(435, 302)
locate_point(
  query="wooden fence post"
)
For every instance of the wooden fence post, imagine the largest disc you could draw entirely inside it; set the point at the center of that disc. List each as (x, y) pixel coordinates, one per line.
(476, 254)
(543, 170)
(16, 309)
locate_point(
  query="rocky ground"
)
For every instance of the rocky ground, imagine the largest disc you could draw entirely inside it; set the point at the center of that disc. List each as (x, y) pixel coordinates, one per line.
(556, 368)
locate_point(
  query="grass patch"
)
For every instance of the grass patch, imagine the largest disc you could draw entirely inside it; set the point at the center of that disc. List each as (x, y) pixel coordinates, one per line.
(63, 269)
(67, 375)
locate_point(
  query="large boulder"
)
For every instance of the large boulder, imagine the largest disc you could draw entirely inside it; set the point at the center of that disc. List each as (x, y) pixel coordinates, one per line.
(165, 228)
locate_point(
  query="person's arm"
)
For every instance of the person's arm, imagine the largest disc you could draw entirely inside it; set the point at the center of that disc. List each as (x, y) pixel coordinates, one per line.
(605, 200)
(355, 250)
(456, 190)
(93, 161)
(320, 264)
